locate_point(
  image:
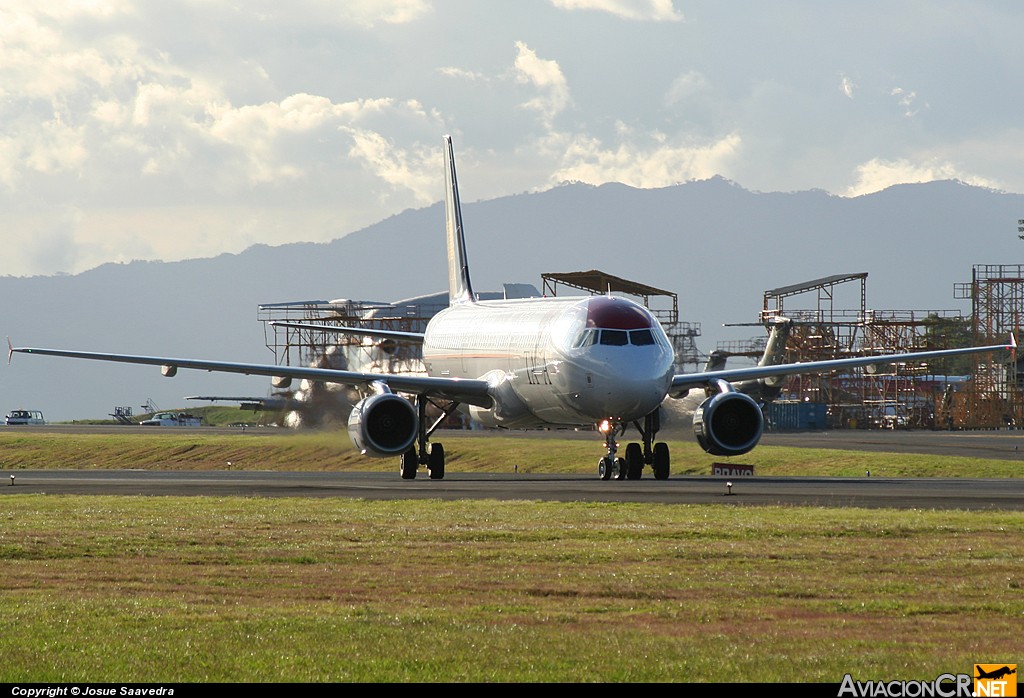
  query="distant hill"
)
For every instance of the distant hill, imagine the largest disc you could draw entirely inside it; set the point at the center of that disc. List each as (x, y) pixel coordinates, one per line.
(716, 244)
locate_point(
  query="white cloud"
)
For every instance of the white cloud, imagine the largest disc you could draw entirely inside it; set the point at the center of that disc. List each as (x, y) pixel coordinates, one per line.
(234, 119)
(847, 86)
(877, 174)
(657, 165)
(58, 149)
(415, 171)
(453, 72)
(365, 13)
(647, 10)
(685, 86)
(907, 101)
(545, 75)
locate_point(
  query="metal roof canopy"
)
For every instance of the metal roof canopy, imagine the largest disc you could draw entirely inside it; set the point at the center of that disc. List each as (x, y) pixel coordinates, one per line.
(602, 282)
(598, 282)
(793, 290)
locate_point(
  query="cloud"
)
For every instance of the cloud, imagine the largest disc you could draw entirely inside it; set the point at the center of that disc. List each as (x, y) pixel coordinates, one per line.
(685, 86)
(453, 72)
(642, 10)
(364, 13)
(907, 101)
(264, 134)
(547, 77)
(877, 174)
(656, 165)
(847, 86)
(412, 170)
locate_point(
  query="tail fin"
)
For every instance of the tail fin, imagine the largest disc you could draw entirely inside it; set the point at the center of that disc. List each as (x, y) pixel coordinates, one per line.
(716, 361)
(775, 349)
(460, 290)
(767, 389)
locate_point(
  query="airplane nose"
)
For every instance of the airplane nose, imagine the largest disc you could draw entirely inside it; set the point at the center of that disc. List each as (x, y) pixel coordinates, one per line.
(629, 395)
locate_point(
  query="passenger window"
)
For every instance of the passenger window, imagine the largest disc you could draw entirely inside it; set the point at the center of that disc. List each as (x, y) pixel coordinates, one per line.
(615, 338)
(641, 337)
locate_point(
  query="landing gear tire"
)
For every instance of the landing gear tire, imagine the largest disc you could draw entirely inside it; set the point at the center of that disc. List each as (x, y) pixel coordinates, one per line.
(660, 463)
(620, 469)
(435, 463)
(410, 463)
(634, 461)
(604, 468)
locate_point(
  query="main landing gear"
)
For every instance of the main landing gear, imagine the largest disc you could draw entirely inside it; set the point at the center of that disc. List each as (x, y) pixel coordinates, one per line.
(611, 466)
(424, 453)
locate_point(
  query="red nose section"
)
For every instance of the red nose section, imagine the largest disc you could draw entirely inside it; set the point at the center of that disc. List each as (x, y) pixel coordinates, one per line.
(616, 314)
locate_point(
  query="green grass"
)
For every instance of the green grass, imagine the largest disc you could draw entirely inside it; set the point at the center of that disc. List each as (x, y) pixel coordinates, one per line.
(280, 449)
(234, 589)
(204, 589)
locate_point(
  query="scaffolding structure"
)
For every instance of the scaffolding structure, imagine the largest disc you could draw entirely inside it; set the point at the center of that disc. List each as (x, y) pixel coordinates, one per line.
(994, 397)
(892, 395)
(683, 335)
(306, 347)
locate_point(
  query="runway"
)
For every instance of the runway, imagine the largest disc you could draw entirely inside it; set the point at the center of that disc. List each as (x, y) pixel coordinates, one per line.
(868, 492)
(871, 492)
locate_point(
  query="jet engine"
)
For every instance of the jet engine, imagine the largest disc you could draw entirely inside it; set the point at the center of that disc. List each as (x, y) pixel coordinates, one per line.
(384, 424)
(728, 424)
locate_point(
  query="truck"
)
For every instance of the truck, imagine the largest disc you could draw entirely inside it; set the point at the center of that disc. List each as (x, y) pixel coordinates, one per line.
(172, 419)
(24, 417)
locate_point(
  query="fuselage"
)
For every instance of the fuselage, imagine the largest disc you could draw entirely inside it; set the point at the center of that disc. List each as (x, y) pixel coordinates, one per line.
(558, 361)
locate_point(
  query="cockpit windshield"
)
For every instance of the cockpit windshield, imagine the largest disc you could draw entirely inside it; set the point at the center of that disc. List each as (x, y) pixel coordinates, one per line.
(614, 338)
(609, 321)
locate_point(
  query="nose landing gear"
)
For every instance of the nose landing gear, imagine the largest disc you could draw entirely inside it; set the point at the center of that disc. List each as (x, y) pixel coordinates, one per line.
(631, 467)
(611, 467)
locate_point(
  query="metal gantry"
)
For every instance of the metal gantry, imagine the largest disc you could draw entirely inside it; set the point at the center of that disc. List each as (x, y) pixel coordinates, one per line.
(994, 397)
(890, 396)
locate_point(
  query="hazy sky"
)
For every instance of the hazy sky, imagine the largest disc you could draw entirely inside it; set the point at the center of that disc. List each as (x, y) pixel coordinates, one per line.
(171, 129)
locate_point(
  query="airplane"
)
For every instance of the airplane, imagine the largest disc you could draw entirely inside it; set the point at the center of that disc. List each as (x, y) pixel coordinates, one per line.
(996, 673)
(533, 362)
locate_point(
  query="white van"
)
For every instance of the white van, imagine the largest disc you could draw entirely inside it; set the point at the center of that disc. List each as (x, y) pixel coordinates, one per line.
(25, 417)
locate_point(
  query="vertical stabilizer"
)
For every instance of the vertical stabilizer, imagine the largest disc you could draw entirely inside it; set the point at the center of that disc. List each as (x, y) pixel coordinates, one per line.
(767, 389)
(460, 289)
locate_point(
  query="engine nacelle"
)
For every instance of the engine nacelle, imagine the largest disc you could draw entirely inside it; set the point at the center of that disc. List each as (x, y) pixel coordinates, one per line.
(728, 424)
(383, 425)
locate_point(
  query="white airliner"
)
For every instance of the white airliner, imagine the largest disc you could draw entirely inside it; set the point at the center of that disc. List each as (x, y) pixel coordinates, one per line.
(565, 361)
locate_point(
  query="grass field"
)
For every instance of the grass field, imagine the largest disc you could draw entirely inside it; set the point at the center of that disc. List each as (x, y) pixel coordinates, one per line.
(276, 449)
(167, 589)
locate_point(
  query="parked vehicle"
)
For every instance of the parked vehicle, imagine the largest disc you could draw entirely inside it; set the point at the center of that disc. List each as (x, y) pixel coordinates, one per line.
(172, 419)
(24, 417)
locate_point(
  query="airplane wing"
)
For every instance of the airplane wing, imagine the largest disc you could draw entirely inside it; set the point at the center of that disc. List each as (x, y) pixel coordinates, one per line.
(473, 392)
(683, 382)
(414, 337)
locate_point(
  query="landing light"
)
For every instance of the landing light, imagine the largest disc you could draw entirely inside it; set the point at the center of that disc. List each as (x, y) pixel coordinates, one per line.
(605, 426)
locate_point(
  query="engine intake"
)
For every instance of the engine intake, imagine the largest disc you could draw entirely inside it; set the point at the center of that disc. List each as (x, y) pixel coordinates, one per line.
(383, 425)
(728, 424)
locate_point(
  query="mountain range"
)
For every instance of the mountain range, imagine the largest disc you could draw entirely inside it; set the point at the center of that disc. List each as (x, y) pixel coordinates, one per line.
(717, 245)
